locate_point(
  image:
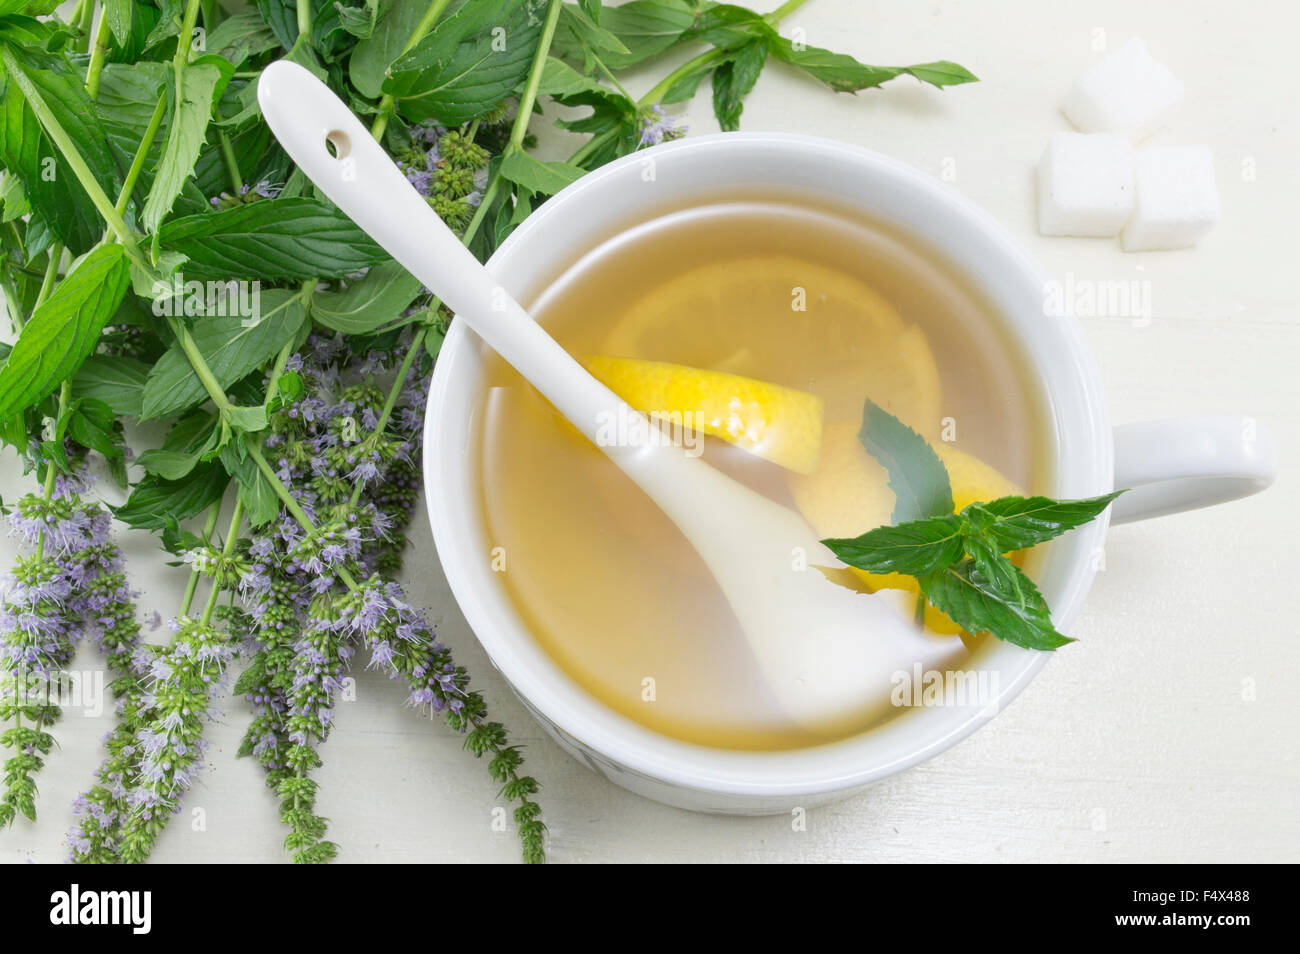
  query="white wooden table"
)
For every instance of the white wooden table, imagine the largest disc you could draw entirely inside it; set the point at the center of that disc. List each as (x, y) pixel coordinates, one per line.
(1140, 741)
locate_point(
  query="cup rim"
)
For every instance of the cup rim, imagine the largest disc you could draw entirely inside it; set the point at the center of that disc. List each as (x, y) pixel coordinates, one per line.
(877, 752)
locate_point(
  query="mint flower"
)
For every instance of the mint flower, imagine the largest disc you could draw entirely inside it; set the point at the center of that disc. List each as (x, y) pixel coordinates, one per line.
(179, 687)
(357, 475)
(244, 194)
(657, 126)
(47, 603)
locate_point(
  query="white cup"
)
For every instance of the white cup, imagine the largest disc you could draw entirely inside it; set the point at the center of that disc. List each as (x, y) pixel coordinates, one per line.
(1172, 465)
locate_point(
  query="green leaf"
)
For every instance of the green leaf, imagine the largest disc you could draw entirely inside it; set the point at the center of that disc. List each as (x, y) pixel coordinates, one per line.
(117, 380)
(281, 16)
(733, 80)
(359, 21)
(646, 28)
(64, 330)
(255, 492)
(130, 47)
(231, 348)
(168, 464)
(684, 88)
(610, 108)
(154, 501)
(27, 151)
(612, 111)
(290, 387)
(940, 73)
(370, 59)
(199, 85)
(168, 25)
(251, 677)
(590, 33)
(562, 81)
(241, 36)
(14, 199)
(468, 64)
(251, 418)
(729, 27)
(128, 93)
(274, 240)
(1010, 606)
(118, 15)
(916, 474)
(917, 548)
(545, 178)
(93, 425)
(191, 439)
(845, 74)
(1014, 523)
(369, 304)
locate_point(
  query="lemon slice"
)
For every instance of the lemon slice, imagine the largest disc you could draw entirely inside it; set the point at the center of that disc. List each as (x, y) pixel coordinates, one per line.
(849, 494)
(899, 374)
(793, 313)
(776, 423)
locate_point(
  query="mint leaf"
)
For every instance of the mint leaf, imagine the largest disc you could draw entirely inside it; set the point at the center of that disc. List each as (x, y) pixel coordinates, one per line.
(684, 88)
(27, 152)
(117, 380)
(591, 34)
(249, 418)
(154, 501)
(941, 73)
(118, 15)
(241, 36)
(538, 177)
(460, 72)
(274, 239)
(916, 474)
(201, 83)
(64, 330)
(645, 28)
(1019, 522)
(917, 548)
(370, 59)
(255, 492)
(572, 88)
(846, 75)
(358, 21)
(998, 598)
(230, 348)
(369, 304)
(128, 93)
(168, 464)
(611, 113)
(728, 26)
(733, 80)
(93, 425)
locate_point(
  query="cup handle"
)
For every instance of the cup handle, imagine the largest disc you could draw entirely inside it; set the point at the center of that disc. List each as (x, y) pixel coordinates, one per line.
(1188, 462)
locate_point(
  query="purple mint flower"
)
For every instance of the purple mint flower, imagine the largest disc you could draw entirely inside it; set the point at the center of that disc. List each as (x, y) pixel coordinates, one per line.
(657, 126)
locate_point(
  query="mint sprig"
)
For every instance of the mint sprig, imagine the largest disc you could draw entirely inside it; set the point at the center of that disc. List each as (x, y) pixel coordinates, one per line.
(959, 560)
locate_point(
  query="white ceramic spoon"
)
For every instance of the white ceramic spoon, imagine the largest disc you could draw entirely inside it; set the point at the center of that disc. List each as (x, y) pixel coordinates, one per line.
(828, 653)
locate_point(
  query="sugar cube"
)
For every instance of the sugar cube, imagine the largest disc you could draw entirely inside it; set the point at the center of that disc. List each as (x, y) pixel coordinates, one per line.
(1177, 200)
(1085, 185)
(1126, 92)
